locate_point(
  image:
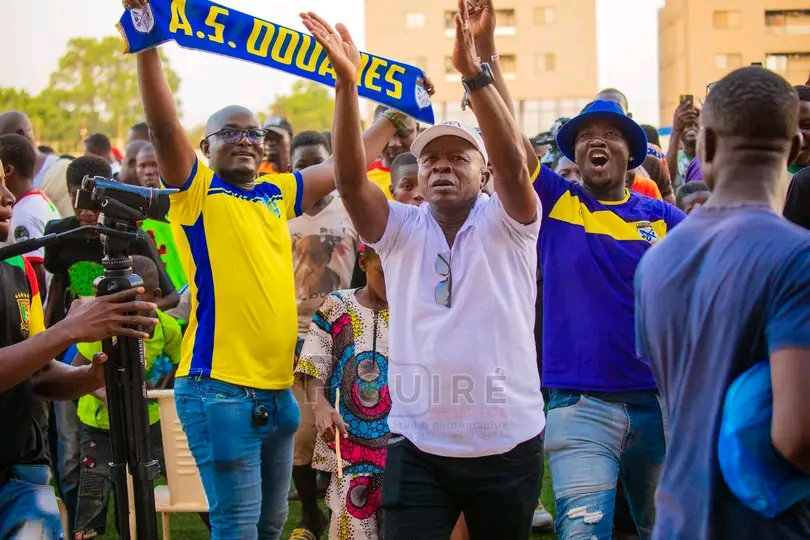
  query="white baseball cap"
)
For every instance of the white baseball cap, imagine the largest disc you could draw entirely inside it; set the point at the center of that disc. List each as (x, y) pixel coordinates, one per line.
(451, 128)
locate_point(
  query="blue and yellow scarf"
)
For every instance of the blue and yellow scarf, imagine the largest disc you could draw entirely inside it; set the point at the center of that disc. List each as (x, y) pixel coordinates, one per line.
(205, 26)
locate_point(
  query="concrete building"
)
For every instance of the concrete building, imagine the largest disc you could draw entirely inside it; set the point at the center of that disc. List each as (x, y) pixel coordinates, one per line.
(700, 41)
(547, 51)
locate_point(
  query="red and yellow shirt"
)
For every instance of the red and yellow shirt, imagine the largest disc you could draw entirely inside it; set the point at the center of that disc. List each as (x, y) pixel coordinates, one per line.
(380, 175)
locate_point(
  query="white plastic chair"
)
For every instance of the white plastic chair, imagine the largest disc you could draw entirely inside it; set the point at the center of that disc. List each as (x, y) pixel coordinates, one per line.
(184, 491)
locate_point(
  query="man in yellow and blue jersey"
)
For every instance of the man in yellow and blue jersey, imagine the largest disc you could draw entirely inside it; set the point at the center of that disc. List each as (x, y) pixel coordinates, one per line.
(230, 226)
(601, 392)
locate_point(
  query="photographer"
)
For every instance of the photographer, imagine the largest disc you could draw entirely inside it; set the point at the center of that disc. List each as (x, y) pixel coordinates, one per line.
(28, 371)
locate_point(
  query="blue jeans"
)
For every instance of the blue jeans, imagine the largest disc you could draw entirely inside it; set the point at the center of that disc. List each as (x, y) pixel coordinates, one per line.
(67, 427)
(592, 439)
(245, 468)
(28, 505)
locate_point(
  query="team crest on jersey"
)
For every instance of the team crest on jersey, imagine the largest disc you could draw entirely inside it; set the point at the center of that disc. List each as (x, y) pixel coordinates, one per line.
(24, 305)
(646, 231)
(143, 19)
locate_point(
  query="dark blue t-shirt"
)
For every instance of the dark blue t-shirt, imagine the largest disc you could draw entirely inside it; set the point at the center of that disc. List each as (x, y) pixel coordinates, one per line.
(716, 296)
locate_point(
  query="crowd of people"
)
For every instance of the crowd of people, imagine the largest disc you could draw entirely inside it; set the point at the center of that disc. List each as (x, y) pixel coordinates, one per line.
(405, 320)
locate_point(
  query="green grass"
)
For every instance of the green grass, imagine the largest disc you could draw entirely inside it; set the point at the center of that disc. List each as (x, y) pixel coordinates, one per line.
(190, 527)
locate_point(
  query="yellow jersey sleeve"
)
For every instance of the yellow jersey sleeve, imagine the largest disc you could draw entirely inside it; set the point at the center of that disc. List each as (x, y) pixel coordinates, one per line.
(292, 191)
(187, 204)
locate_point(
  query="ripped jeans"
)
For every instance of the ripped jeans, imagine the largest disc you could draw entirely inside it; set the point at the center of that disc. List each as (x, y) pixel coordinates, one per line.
(592, 439)
(96, 478)
(28, 506)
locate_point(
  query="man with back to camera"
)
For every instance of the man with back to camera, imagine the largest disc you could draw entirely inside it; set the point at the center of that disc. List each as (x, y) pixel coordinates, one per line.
(232, 227)
(802, 160)
(602, 395)
(475, 261)
(99, 145)
(28, 507)
(735, 291)
(138, 132)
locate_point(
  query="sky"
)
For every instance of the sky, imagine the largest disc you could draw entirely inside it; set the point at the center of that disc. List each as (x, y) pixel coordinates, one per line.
(627, 43)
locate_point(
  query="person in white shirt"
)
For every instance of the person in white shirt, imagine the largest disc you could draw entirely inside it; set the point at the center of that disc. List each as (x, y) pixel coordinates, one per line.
(33, 209)
(467, 411)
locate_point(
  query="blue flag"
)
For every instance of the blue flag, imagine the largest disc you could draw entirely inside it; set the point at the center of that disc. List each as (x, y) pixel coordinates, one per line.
(205, 26)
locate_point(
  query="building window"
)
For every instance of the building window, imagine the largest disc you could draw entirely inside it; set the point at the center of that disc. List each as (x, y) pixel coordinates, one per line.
(450, 20)
(505, 22)
(726, 19)
(545, 62)
(792, 66)
(414, 20)
(450, 73)
(543, 16)
(728, 61)
(508, 64)
(795, 23)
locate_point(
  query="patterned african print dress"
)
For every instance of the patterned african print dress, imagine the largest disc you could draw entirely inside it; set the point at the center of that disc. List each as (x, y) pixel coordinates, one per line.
(347, 347)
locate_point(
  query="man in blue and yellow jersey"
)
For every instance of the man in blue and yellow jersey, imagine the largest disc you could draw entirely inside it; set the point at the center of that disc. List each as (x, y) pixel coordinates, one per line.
(233, 387)
(600, 390)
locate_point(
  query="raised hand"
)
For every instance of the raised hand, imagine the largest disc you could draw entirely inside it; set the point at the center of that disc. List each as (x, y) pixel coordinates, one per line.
(465, 59)
(339, 46)
(134, 4)
(482, 19)
(429, 88)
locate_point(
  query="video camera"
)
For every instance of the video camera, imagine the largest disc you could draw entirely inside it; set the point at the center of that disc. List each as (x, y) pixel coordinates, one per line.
(117, 200)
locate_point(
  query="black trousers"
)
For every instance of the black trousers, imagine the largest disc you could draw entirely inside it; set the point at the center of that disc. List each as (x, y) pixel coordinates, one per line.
(423, 495)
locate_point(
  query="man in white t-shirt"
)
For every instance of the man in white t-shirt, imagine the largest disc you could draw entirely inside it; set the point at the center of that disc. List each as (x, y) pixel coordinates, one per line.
(460, 270)
(32, 209)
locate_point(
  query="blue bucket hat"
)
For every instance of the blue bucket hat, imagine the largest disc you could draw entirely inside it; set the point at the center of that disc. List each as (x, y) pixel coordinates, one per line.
(755, 473)
(636, 138)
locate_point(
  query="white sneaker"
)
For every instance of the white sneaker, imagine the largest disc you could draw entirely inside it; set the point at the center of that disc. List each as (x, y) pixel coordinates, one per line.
(541, 518)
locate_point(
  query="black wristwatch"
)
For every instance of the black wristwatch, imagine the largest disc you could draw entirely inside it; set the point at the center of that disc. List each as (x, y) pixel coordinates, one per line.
(481, 80)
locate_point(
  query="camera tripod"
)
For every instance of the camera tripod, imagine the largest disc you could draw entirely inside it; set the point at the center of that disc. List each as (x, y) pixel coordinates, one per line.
(126, 396)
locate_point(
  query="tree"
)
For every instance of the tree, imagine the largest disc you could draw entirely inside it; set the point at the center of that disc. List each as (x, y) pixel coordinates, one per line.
(51, 122)
(308, 107)
(98, 86)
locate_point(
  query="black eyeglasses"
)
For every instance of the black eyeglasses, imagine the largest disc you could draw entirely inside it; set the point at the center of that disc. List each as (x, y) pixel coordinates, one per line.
(234, 136)
(444, 288)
